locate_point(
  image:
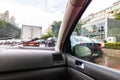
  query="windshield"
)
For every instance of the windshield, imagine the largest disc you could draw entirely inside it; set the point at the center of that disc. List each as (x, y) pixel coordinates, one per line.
(26, 21)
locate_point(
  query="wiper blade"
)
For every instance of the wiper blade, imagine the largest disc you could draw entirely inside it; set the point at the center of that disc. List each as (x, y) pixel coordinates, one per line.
(31, 40)
(35, 39)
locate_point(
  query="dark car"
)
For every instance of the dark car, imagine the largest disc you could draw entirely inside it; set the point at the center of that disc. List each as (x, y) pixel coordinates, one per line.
(50, 42)
(42, 43)
(86, 41)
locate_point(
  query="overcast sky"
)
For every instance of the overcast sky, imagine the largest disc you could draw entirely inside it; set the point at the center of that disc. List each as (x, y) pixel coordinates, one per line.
(44, 12)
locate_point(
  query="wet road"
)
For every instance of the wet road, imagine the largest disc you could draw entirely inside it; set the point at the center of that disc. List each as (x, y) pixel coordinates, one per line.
(110, 58)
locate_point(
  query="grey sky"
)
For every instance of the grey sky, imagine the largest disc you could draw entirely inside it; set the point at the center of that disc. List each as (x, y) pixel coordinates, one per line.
(34, 12)
(48, 5)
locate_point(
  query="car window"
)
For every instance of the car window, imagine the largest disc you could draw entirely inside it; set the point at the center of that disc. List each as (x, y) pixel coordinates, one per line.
(24, 22)
(98, 31)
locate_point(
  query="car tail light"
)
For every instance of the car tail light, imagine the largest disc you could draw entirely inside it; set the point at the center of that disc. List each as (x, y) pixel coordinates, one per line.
(37, 44)
(81, 44)
(24, 44)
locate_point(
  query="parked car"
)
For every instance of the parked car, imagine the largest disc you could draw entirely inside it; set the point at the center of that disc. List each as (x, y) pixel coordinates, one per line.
(2, 42)
(95, 47)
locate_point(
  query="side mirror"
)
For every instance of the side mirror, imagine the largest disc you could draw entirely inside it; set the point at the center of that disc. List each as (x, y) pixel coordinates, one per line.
(81, 51)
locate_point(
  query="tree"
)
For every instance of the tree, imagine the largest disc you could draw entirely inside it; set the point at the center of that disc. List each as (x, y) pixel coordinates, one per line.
(47, 35)
(2, 24)
(55, 28)
(9, 30)
(117, 16)
(78, 29)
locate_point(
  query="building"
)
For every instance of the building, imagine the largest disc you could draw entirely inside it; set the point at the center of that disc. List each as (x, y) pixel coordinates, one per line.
(5, 16)
(99, 23)
(113, 29)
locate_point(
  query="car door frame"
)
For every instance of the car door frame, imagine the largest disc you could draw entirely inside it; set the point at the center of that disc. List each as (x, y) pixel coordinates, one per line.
(89, 71)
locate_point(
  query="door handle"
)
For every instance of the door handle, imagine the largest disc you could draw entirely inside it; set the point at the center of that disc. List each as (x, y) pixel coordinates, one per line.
(80, 64)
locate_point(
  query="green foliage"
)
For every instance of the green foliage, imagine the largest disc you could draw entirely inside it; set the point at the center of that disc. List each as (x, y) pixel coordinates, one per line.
(78, 29)
(55, 28)
(115, 45)
(2, 24)
(8, 30)
(117, 16)
(49, 34)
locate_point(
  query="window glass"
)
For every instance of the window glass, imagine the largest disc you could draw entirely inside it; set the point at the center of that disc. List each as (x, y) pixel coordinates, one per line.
(96, 37)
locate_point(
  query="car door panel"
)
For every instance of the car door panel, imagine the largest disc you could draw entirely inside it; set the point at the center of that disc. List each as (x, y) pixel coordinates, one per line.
(38, 74)
(77, 75)
(91, 70)
(27, 64)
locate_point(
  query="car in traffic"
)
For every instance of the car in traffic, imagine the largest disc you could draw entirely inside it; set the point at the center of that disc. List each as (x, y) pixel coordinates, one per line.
(50, 42)
(42, 43)
(2, 42)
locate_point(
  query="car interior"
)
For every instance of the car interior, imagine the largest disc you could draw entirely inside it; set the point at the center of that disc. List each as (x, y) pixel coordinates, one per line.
(54, 64)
